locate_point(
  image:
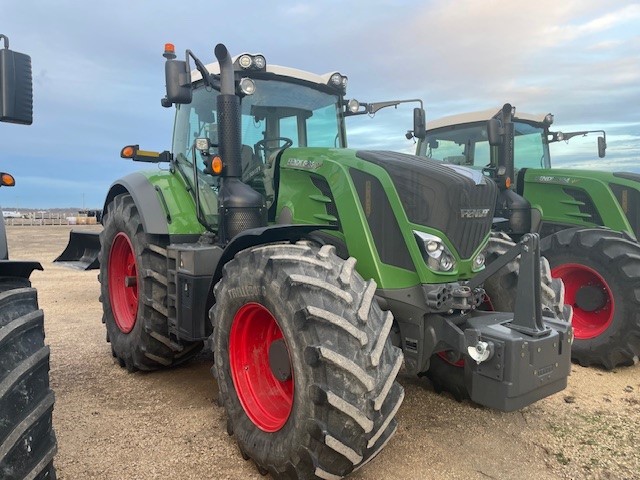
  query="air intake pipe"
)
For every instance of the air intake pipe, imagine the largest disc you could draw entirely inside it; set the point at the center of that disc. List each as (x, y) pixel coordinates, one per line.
(240, 207)
(229, 116)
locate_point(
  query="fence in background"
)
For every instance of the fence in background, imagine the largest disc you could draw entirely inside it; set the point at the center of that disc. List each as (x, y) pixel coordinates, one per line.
(45, 218)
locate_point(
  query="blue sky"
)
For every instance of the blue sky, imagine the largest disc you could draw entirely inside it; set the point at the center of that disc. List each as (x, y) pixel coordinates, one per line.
(99, 73)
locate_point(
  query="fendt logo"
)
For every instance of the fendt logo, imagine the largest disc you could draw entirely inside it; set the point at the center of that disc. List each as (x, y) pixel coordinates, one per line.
(474, 212)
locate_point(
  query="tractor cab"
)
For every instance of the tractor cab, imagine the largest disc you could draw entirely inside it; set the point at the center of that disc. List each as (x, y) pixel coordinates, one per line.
(464, 139)
(280, 108)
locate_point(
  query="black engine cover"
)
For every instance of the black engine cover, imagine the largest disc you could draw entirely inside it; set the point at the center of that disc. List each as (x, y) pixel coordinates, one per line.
(455, 200)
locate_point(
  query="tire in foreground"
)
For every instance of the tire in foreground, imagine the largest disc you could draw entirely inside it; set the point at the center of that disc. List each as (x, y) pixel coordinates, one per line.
(27, 441)
(305, 367)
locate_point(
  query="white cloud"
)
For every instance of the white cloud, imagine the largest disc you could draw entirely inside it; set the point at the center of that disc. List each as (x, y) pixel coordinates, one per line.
(98, 70)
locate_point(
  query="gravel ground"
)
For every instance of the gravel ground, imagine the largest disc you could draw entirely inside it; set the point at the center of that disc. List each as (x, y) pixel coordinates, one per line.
(116, 425)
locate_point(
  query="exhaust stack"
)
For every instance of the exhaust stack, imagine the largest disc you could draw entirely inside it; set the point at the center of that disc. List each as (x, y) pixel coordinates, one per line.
(240, 206)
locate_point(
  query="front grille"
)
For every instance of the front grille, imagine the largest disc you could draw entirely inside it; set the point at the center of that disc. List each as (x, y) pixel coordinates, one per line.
(321, 184)
(383, 224)
(586, 204)
(435, 195)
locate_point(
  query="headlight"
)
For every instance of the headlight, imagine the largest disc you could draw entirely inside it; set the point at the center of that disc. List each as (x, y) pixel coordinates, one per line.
(245, 61)
(436, 254)
(247, 86)
(251, 62)
(478, 262)
(259, 62)
(337, 80)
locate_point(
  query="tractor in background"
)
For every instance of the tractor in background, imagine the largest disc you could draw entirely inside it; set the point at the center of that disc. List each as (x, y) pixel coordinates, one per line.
(312, 271)
(589, 220)
(27, 440)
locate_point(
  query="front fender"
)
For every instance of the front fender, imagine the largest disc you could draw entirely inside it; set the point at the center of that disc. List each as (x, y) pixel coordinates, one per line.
(262, 236)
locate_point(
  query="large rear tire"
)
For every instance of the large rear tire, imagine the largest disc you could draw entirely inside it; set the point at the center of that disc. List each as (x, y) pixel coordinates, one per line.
(305, 367)
(446, 369)
(27, 441)
(601, 272)
(133, 283)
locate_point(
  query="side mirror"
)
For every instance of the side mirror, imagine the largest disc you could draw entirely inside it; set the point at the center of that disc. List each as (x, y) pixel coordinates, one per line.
(178, 83)
(16, 87)
(494, 132)
(419, 123)
(602, 147)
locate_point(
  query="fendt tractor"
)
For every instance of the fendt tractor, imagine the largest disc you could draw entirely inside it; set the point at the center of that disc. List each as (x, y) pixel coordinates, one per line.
(589, 220)
(311, 270)
(27, 441)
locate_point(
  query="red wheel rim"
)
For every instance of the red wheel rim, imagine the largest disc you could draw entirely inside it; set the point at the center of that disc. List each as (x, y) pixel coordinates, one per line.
(266, 400)
(586, 324)
(123, 282)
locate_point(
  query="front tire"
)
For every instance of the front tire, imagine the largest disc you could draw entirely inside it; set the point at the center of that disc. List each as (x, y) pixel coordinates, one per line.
(133, 284)
(312, 392)
(27, 441)
(601, 272)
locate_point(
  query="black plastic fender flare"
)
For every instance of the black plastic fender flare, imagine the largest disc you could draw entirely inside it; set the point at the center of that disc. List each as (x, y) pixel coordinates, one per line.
(260, 236)
(154, 216)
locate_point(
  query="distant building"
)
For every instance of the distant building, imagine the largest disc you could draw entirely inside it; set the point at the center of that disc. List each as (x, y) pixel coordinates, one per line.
(11, 214)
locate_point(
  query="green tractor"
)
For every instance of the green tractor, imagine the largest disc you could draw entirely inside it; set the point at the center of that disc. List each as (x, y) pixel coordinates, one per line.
(27, 441)
(589, 220)
(311, 270)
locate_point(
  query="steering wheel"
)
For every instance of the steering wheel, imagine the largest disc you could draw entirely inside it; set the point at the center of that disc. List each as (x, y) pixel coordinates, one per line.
(262, 144)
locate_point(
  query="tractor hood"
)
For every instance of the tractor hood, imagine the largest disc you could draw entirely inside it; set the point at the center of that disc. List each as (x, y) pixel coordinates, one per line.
(585, 197)
(448, 198)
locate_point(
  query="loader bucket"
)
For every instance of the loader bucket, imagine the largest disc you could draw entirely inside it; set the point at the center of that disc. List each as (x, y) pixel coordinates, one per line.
(82, 251)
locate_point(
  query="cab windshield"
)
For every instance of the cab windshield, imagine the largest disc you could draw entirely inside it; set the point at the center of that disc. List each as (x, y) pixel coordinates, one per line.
(279, 114)
(277, 110)
(469, 145)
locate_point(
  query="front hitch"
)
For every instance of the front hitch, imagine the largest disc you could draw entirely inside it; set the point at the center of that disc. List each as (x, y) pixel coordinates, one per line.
(528, 306)
(517, 359)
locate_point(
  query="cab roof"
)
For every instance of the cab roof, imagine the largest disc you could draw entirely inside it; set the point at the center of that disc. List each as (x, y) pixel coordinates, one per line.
(294, 73)
(481, 116)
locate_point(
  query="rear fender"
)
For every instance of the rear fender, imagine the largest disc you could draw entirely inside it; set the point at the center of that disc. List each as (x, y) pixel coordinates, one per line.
(155, 217)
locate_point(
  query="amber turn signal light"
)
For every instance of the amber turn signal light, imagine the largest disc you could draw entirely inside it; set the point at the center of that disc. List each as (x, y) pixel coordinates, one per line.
(129, 151)
(507, 182)
(216, 165)
(8, 180)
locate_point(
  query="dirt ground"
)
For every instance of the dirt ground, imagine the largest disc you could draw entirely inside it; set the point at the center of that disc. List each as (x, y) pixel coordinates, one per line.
(116, 425)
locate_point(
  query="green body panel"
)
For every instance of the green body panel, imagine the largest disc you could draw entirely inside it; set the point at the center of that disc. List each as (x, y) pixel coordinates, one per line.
(305, 203)
(178, 201)
(543, 188)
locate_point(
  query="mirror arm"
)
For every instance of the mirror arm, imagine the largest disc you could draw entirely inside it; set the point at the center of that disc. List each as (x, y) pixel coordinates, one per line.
(372, 108)
(206, 76)
(569, 135)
